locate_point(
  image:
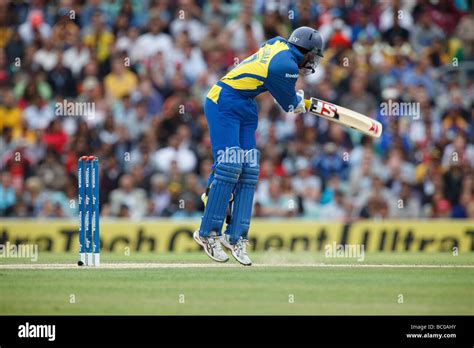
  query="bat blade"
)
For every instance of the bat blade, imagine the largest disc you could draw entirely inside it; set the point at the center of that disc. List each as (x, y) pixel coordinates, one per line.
(344, 116)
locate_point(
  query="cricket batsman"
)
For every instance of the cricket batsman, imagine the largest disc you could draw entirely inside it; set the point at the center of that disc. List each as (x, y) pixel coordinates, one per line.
(232, 116)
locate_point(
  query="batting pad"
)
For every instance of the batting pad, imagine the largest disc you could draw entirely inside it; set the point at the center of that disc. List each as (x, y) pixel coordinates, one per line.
(243, 197)
(226, 175)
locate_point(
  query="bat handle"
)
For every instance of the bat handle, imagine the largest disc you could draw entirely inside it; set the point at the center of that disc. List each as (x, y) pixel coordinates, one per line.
(307, 104)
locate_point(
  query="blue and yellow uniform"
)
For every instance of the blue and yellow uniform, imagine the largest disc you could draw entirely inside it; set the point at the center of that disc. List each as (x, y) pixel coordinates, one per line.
(230, 107)
(232, 116)
(231, 112)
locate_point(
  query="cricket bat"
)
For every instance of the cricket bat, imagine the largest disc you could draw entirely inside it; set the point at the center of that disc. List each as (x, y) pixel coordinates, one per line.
(346, 117)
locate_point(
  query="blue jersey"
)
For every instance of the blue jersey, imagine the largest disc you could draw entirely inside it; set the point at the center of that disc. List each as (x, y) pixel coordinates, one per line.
(273, 68)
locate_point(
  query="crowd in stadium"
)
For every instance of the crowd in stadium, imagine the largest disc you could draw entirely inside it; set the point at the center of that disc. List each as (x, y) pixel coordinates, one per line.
(144, 67)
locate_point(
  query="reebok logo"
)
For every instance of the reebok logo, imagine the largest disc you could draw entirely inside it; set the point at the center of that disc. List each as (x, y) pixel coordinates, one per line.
(291, 76)
(37, 331)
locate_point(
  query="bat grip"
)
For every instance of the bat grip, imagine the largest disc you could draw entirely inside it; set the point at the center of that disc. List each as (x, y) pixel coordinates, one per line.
(307, 103)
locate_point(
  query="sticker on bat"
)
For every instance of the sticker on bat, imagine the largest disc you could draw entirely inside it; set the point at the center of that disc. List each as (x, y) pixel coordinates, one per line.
(374, 127)
(323, 108)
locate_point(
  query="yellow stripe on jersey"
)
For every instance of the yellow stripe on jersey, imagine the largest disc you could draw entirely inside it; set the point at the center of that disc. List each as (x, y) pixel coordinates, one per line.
(244, 83)
(214, 93)
(257, 65)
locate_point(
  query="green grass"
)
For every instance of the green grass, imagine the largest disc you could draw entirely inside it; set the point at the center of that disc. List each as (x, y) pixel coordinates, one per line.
(242, 290)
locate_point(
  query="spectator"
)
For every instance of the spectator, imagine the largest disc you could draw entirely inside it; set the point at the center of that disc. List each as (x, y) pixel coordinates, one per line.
(397, 34)
(160, 196)
(177, 152)
(358, 98)
(34, 25)
(61, 80)
(329, 163)
(55, 136)
(47, 56)
(188, 58)
(127, 44)
(188, 209)
(31, 202)
(336, 209)
(459, 151)
(39, 114)
(216, 10)
(65, 31)
(186, 20)
(465, 32)
(245, 32)
(366, 202)
(7, 193)
(19, 163)
(76, 57)
(52, 173)
(127, 200)
(154, 39)
(470, 210)
(304, 179)
(425, 32)
(98, 38)
(441, 206)
(120, 81)
(149, 97)
(445, 15)
(10, 113)
(310, 203)
(376, 208)
(452, 182)
(407, 206)
(276, 204)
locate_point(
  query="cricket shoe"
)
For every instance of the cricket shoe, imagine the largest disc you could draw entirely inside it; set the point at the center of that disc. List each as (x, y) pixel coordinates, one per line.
(238, 250)
(212, 246)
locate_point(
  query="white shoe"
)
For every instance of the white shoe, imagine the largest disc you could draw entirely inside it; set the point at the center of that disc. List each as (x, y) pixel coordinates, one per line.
(225, 241)
(212, 246)
(238, 250)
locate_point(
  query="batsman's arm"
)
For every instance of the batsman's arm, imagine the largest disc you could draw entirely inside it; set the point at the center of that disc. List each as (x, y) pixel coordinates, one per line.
(346, 117)
(281, 81)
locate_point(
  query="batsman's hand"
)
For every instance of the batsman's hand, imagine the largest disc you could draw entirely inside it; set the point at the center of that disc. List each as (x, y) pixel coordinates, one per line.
(300, 108)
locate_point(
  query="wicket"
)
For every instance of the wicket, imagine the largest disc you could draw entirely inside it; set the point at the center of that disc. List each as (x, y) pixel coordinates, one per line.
(88, 201)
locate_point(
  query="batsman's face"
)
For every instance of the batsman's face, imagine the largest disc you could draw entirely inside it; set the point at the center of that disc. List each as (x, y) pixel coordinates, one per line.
(310, 62)
(305, 61)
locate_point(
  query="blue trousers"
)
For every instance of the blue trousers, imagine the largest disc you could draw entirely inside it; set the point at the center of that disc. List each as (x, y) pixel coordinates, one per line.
(232, 122)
